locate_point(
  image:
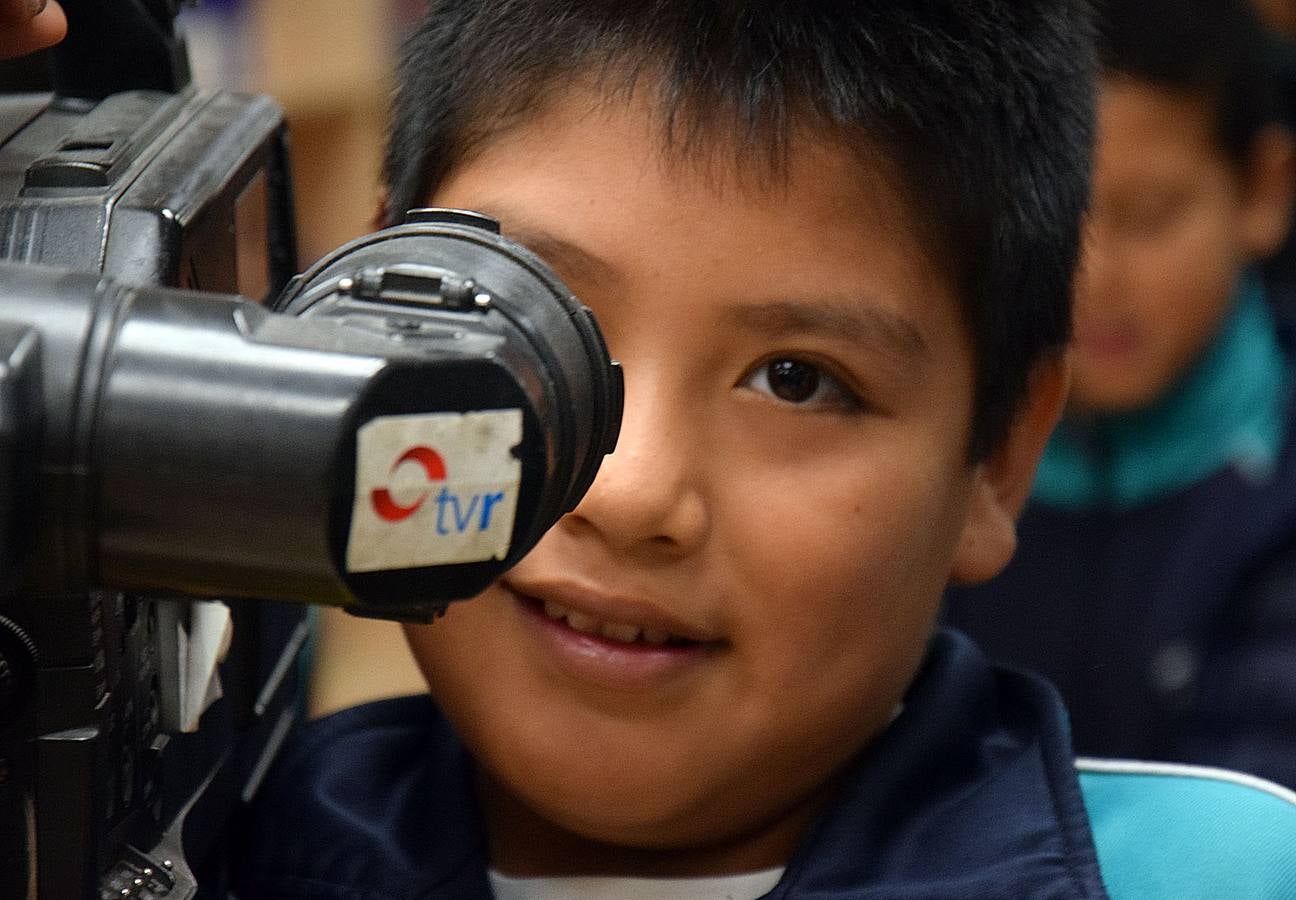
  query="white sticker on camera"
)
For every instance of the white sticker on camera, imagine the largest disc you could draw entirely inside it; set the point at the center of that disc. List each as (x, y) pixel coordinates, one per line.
(434, 489)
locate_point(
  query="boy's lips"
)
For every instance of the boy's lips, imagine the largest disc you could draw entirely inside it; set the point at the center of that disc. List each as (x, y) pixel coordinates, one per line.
(616, 643)
(596, 612)
(1107, 341)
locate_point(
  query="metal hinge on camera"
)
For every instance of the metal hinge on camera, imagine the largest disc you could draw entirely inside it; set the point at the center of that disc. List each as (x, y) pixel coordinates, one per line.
(410, 283)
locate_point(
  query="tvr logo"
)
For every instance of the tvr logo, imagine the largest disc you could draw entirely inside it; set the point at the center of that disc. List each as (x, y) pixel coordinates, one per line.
(453, 510)
(434, 489)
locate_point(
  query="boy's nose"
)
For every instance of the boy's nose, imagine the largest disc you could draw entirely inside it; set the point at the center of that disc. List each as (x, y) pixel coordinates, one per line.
(649, 495)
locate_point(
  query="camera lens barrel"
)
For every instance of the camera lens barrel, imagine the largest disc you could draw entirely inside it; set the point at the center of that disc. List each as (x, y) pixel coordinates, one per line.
(432, 402)
(477, 296)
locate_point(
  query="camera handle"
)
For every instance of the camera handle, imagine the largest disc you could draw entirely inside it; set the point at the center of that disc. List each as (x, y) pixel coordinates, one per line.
(119, 45)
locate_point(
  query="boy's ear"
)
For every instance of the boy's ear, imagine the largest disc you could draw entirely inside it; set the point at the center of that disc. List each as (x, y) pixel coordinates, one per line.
(1268, 189)
(1003, 480)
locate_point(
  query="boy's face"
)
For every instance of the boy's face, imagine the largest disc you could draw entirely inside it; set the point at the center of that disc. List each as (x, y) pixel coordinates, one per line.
(1174, 220)
(738, 604)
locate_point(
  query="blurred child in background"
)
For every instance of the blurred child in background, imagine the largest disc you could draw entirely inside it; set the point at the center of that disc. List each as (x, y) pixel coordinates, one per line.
(1155, 580)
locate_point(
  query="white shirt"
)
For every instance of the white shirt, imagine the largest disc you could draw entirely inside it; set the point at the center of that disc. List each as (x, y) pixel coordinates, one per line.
(747, 886)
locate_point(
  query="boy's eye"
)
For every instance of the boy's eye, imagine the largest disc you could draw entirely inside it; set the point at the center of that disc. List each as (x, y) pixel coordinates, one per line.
(800, 382)
(792, 380)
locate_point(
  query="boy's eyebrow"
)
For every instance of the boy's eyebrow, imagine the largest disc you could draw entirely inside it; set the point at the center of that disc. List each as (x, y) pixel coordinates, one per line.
(862, 324)
(557, 252)
(566, 256)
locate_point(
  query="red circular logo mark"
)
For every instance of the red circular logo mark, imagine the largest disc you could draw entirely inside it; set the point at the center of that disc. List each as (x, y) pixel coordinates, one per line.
(433, 468)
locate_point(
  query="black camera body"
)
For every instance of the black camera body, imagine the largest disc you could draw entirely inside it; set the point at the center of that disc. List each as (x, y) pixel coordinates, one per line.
(186, 190)
(189, 190)
(182, 418)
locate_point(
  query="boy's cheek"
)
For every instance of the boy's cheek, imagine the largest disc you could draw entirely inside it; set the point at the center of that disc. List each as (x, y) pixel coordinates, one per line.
(867, 585)
(465, 629)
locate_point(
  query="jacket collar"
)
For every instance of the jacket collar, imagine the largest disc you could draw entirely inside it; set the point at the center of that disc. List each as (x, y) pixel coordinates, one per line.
(971, 792)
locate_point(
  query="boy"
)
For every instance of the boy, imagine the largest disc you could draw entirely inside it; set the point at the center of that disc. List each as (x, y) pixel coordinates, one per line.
(831, 244)
(1156, 579)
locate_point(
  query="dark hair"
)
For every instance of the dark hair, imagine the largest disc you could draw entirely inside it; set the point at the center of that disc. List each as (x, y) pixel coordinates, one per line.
(1217, 49)
(984, 108)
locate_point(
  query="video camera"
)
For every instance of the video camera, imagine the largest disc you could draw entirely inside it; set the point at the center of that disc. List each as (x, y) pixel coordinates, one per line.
(387, 431)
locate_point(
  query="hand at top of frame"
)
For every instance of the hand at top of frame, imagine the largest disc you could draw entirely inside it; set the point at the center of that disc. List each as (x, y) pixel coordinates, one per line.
(29, 25)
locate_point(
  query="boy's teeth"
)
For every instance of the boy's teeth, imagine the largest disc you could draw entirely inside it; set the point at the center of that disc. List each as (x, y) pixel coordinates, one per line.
(613, 631)
(626, 634)
(582, 623)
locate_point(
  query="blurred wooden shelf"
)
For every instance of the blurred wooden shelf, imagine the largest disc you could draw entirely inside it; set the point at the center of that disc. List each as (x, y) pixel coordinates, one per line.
(328, 63)
(358, 660)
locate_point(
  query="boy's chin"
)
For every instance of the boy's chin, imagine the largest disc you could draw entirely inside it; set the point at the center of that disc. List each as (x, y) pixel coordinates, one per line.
(636, 831)
(1108, 388)
(1114, 395)
(643, 792)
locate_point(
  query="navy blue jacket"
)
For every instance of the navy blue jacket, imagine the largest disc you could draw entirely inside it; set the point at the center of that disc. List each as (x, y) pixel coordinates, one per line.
(1169, 628)
(971, 793)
